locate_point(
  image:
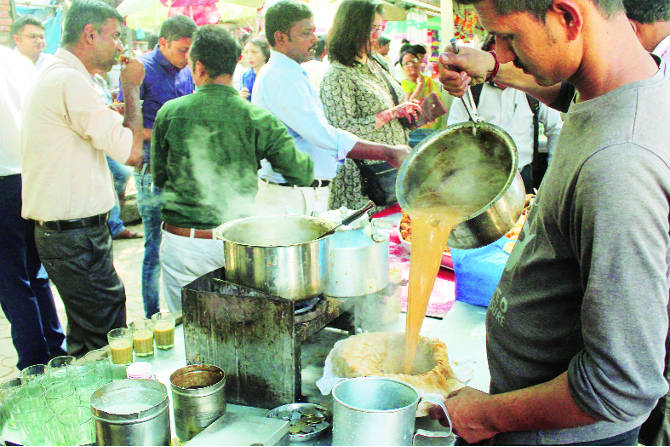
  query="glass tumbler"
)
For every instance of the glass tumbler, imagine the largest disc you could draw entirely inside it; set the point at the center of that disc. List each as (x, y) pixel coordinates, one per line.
(121, 345)
(8, 390)
(164, 329)
(143, 337)
(32, 372)
(60, 366)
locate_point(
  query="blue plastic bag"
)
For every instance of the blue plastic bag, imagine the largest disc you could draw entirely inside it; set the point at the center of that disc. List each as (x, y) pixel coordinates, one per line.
(477, 272)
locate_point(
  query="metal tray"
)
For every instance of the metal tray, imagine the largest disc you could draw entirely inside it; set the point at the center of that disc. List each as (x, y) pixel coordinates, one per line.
(284, 412)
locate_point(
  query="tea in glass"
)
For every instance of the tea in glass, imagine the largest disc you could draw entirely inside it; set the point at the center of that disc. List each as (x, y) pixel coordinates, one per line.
(164, 329)
(121, 345)
(143, 337)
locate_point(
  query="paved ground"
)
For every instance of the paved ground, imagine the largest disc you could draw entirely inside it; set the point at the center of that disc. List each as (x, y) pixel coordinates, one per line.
(128, 262)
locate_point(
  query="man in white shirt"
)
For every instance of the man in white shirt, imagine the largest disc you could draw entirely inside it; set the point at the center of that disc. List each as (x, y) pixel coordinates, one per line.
(67, 186)
(28, 35)
(25, 294)
(282, 87)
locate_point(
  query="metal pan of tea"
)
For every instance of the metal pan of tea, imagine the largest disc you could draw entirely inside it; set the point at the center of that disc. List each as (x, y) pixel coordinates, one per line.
(307, 420)
(470, 168)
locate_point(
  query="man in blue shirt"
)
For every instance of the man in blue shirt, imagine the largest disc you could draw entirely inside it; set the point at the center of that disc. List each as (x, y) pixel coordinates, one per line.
(167, 77)
(282, 87)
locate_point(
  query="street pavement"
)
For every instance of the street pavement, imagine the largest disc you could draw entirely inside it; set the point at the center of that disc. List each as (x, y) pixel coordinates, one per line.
(128, 255)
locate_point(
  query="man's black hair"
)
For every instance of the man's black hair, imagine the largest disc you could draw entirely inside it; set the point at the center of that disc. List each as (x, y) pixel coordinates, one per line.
(539, 8)
(83, 12)
(320, 47)
(215, 49)
(177, 27)
(282, 16)
(350, 34)
(22, 21)
(647, 11)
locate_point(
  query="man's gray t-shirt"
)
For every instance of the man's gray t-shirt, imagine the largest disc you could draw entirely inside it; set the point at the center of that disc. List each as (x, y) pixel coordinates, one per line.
(586, 287)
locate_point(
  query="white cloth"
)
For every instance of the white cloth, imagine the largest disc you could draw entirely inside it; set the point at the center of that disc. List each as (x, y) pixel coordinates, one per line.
(43, 61)
(17, 75)
(276, 199)
(237, 76)
(67, 131)
(315, 71)
(662, 50)
(509, 109)
(184, 259)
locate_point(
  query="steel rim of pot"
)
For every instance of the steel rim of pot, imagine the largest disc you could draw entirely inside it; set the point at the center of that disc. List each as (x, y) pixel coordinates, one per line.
(131, 418)
(242, 221)
(426, 144)
(376, 379)
(192, 369)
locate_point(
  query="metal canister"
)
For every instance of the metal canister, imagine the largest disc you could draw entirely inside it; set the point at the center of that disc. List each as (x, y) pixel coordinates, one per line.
(131, 412)
(198, 398)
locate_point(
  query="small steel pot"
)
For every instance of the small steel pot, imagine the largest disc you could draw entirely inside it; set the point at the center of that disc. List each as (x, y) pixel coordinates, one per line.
(281, 255)
(131, 412)
(439, 157)
(198, 398)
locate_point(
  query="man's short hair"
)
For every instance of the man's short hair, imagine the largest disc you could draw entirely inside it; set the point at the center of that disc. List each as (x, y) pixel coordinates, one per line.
(383, 41)
(539, 8)
(647, 11)
(83, 12)
(177, 27)
(22, 21)
(215, 49)
(282, 16)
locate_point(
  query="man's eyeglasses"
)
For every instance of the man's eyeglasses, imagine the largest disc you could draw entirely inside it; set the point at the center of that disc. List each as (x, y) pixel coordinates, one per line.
(33, 36)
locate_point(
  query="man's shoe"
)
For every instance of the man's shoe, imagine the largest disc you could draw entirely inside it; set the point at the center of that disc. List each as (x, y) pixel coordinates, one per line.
(127, 234)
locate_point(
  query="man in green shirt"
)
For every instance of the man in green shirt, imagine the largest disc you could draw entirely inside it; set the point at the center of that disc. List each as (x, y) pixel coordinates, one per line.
(205, 152)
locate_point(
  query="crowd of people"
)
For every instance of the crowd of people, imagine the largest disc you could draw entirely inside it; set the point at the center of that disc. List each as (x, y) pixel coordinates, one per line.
(577, 329)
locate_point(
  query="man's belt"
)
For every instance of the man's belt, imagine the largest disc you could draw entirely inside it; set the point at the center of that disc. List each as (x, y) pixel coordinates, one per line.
(188, 232)
(317, 183)
(73, 224)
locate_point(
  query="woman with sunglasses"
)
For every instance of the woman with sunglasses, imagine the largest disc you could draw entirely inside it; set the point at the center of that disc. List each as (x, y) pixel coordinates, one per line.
(360, 95)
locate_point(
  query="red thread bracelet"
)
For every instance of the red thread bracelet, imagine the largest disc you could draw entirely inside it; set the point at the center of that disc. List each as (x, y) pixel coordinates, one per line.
(493, 74)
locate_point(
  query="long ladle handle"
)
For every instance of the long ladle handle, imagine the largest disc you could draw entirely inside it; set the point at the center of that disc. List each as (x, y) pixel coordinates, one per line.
(353, 216)
(470, 106)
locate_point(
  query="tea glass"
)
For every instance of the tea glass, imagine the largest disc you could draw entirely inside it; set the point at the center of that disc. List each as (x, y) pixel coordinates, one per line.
(121, 345)
(8, 391)
(143, 337)
(60, 366)
(164, 323)
(32, 372)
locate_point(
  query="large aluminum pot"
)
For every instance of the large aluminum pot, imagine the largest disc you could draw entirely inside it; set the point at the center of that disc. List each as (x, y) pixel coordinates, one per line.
(483, 157)
(358, 263)
(281, 255)
(377, 411)
(198, 398)
(131, 412)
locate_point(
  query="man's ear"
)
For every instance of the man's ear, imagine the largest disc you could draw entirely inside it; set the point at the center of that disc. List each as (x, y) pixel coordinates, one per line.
(89, 33)
(280, 37)
(162, 42)
(199, 68)
(570, 16)
(16, 38)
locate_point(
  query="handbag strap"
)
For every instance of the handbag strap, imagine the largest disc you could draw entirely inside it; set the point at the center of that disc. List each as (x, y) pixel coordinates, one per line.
(394, 95)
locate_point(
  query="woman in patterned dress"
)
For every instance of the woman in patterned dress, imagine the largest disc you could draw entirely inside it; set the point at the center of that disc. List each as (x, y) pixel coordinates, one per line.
(358, 93)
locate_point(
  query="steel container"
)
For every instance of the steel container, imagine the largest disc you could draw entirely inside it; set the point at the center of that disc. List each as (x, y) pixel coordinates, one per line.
(131, 412)
(281, 255)
(440, 156)
(198, 398)
(373, 411)
(358, 264)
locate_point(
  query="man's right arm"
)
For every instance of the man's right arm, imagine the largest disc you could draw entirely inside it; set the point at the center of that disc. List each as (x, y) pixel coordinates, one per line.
(131, 79)
(458, 71)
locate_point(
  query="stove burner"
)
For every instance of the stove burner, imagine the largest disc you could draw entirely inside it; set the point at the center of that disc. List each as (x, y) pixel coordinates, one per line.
(305, 306)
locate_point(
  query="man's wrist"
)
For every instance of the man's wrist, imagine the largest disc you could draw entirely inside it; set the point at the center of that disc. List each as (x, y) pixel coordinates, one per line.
(491, 74)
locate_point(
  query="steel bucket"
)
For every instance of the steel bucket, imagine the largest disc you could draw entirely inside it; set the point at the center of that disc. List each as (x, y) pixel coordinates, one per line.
(457, 150)
(280, 255)
(198, 398)
(131, 412)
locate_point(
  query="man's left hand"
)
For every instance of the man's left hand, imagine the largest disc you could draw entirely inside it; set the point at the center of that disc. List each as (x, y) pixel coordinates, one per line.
(397, 154)
(465, 411)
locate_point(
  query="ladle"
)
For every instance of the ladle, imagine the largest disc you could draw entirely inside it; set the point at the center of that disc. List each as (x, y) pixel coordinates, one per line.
(350, 218)
(469, 105)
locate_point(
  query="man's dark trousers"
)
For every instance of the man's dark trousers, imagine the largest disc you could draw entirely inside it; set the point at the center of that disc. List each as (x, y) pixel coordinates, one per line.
(25, 295)
(79, 262)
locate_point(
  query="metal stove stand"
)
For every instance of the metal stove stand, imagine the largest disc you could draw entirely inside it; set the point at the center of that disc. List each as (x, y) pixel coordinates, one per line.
(254, 337)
